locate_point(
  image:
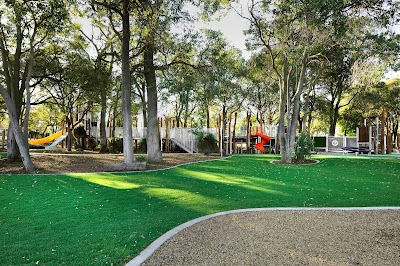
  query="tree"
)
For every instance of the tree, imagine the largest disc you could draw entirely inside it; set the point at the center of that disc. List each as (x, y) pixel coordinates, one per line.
(102, 40)
(263, 94)
(123, 10)
(23, 27)
(294, 33)
(286, 33)
(72, 85)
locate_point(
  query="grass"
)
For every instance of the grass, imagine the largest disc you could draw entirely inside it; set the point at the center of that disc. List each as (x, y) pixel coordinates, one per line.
(3, 154)
(100, 219)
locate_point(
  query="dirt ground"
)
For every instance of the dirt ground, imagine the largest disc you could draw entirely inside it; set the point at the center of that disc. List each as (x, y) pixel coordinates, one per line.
(88, 162)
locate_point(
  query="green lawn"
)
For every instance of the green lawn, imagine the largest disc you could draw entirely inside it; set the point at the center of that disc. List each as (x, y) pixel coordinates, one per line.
(99, 219)
(3, 154)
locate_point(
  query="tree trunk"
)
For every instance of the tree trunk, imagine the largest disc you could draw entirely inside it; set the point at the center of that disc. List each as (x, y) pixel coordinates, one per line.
(103, 133)
(12, 147)
(333, 119)
(248, 132)
(126, 88)
(296, 102)
(144, 107)
(207, 116)
(223, 130)
(292, 111)
(153, 149)
(234, 133)
(17, 132)
(283, 87)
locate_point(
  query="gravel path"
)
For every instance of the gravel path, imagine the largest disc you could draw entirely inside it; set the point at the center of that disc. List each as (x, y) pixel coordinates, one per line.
(320, 237)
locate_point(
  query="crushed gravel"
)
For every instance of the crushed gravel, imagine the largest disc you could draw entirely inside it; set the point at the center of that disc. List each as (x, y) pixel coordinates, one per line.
(322, 237)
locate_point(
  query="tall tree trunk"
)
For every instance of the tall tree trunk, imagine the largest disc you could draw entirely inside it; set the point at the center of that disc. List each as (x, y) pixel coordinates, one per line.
(223, 131)
(207, 115)
(153, 146)
(283, 88)
(296, 102)
(333, 118)
(126, 87)
(234, 133)
(17, 132)
(144, 106)
(103, 134)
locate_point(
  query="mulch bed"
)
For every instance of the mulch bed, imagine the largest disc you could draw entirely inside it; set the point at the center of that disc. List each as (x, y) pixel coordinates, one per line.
(90, 162)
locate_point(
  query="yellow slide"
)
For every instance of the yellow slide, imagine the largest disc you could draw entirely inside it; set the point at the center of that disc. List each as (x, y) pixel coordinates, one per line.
(46, 139)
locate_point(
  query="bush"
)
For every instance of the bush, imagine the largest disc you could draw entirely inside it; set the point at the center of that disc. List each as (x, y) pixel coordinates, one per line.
(142, 147)
(303, 147)
(206, 141)
(141, 158)
(117, 145)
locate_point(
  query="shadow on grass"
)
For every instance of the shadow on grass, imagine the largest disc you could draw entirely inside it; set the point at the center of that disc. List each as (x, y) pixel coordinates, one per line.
(110, 217)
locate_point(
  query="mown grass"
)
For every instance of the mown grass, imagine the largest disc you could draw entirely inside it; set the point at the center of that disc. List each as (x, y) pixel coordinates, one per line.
(101, 219)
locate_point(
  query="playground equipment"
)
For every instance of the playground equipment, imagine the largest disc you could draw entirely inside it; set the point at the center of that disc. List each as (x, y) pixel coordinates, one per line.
(46, 139)
(57, 141)
(375, 137)
(264, 141)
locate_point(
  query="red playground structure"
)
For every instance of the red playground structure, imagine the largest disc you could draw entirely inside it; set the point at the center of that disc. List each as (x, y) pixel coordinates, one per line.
(264, 141)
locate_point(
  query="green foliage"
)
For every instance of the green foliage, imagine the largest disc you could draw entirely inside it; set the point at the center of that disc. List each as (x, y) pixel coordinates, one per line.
(80, 131)
(142, 148)
(141, 158)
(117, 145)
(98, 208)
(206, 142)
(303, 147)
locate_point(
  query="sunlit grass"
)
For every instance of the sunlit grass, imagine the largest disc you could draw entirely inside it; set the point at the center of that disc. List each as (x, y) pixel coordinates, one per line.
(99, 219)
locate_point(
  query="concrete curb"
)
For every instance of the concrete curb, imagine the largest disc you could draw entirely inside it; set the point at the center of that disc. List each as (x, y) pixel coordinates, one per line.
(146, 253)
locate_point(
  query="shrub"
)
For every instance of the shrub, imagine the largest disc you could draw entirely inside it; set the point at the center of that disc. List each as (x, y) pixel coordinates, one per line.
(141, 158)
(206, 141)
(117, 145)
(303, 147)
(142, 147)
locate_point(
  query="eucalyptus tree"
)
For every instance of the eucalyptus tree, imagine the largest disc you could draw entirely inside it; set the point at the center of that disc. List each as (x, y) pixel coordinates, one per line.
(263, 88)
(178, 86)
(72, 86)
(292, 32)
(24, 26)
(102, 39)
(355, 61)
(224, 78)
(119, 12)
(286, 31)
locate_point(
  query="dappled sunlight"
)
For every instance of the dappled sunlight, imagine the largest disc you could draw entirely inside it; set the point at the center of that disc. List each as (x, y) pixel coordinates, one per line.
(188, 200)
(108, 180)
(248, 182)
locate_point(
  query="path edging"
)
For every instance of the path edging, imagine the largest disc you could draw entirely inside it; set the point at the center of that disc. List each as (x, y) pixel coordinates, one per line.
(147, 252)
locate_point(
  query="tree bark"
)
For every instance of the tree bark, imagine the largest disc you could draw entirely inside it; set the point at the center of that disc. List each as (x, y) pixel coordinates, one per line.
(283, 86)
(126, 88)
(17, 132)
(153, 146)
